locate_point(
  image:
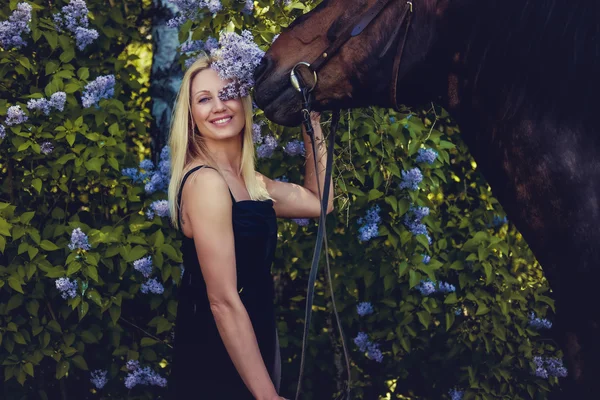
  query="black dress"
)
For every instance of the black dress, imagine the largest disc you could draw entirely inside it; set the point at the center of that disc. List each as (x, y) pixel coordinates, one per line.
(202, 368)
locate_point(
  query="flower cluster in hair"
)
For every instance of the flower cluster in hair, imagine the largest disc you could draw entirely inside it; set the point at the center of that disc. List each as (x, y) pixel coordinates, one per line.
(73, 18)
(236, 59)
(370, 224)
(17, 25)
(412, 220)
(103, 87)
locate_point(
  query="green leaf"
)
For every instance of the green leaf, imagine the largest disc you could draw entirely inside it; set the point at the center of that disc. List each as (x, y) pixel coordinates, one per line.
(94, 164)
(424, 318)
(26, 217)
(15, 284)
(28, 368)
(88, 337)
(115, 313)
(93, 295)
(414, 278)
(450, 318)
(48, 245)
(91, 272)
(54, 326)
(171, 252)
(61, 369)
(403, 206)
(374, 194)
(79, 362)
(83, 73)
(83, 309)
(146, 341)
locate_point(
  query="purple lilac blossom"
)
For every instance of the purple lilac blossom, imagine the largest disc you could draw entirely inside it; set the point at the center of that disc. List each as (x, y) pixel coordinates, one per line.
(426, 259)
(238, 56)
(411, 179)
(248, 7)
(211, 44)
(362, 341)
(192, 46)
(499, 221)
(301, 221)
(132, 173)
(79, 240)
(132, 365)
(426, 287)
(539, 323)
(46, 148)
(364, 308)
(57, 100)
(412, 220)
(2, 132)
(152, 286)
(103, 87)
(144, 376)
(67, 288)
(73, 17)
(267, 148)
(549, 366)
(98, 378)
(294, 148)
(17, 24)
(427, 156)
(256, 134)
(458, 312)
(160, 207)
(15, 116)
(374, 353)
(144, 265)
(192, 10)
(370, 224)
(456, 394)
(42, 105)
(147, 165)
(445, 287)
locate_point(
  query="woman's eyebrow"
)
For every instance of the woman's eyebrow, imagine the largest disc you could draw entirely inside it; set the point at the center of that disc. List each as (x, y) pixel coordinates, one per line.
(201, 91)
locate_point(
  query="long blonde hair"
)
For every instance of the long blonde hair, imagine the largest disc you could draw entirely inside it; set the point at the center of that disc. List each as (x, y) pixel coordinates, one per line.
(186, 144)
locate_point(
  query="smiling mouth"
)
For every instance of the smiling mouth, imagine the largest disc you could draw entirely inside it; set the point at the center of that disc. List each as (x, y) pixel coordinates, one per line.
(222, 121)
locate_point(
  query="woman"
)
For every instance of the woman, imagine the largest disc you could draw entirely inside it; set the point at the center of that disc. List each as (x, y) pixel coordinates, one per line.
(226, 343)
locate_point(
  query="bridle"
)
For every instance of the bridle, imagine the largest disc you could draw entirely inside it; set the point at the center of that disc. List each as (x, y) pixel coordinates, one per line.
(360, 23)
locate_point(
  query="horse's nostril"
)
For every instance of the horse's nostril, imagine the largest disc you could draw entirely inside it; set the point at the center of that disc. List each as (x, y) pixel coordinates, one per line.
(263, 67)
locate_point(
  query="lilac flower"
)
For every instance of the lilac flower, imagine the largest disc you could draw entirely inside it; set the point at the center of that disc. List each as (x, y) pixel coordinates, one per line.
(294, 148)
(211, 44)
(362, 341)
(79, 240)
(364, 308)
(98, 378)
(267, 148)
(539, 323)
(67, 288)
(426, 287)
(160, 207)
(370, 228)
(132, 365)
(84, 36)
(374, 353)
(248, 7)
(57, 100)
(158, 182)
(412, 220)
(46, 148)
(152, 286)
(256, 135)
(427, 156)
(426, 259)
(301, 221)
(445, 287)
(132, 173)
(15, 116)
(411, 179)
(368, 232)
(17, 24)
(2, 132)
(192, 46)
(214, 6)
(42, 105)
(143, 376)
(458, 312)
(499, 221)
(147, 165)
(103, 87)
(549, 366)
(144, 265)
(192, 10)
(456, 394)
(238, 56)
(73, 18)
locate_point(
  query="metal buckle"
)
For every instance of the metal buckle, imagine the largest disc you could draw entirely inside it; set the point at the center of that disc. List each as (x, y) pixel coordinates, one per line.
(294, 78)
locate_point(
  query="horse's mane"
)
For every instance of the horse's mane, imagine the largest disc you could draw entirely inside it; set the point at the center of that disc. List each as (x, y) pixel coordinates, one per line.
(544, 54)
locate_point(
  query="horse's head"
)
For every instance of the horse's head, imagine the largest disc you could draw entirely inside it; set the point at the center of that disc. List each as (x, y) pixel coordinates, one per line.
(360, 72)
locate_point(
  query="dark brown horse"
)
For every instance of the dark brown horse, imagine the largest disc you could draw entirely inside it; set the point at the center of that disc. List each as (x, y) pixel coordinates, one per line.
(522, 79)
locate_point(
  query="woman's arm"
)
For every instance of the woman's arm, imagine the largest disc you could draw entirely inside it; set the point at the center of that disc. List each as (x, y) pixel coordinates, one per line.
(208, 204)
(295, 201)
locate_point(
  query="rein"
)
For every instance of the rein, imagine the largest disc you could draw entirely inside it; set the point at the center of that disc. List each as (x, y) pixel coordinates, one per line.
(305, 89)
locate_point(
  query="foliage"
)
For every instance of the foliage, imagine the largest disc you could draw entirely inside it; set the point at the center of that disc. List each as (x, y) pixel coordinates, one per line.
(475, 339)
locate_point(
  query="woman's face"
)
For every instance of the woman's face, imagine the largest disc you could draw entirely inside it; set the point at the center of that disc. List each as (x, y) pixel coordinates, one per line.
(215, 119)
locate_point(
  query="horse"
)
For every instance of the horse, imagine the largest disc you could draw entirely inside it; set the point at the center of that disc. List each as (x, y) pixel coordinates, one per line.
(520, 77)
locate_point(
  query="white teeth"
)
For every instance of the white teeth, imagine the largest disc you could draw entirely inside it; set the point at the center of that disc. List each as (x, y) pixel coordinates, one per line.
(222, 121)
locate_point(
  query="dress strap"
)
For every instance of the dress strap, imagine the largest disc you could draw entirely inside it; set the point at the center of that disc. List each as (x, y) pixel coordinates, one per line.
(187, 174)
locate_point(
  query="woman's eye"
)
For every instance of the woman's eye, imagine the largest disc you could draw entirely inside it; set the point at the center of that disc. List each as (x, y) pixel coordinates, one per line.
(202, 100)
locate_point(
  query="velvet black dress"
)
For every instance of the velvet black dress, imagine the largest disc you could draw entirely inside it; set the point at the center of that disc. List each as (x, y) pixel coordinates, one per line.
(202, 368)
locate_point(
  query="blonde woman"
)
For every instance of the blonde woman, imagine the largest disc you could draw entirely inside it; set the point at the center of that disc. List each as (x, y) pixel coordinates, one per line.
(226, 344)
